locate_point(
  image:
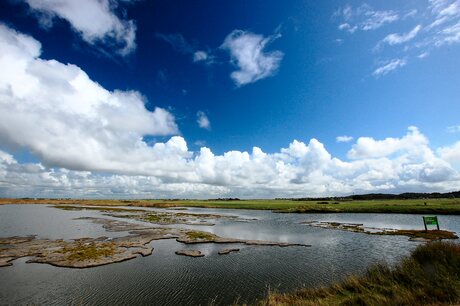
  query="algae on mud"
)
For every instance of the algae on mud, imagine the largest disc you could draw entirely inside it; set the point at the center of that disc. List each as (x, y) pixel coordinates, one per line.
(92, 252)
(81, 250)
(156, 217)
(200, 235)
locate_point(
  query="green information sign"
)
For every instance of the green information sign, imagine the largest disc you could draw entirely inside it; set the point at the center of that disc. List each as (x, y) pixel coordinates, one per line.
(430, 220)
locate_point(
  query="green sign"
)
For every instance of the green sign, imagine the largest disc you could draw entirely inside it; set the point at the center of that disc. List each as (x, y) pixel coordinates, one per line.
(430, 220)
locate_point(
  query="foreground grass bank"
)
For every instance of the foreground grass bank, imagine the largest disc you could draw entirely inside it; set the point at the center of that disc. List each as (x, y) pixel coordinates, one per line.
(449, 206)
(430, 276)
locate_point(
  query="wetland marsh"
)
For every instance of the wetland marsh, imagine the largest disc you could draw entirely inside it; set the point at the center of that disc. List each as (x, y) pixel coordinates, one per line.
(245, 275)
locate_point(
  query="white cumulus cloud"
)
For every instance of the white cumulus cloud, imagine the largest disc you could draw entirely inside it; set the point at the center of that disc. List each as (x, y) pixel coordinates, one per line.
(247, 51)
(199, 56)
(451, 154)
(94, 20)
(56, 111)
(301, 169)
(203, 120)
(90, 143)
(367, 147)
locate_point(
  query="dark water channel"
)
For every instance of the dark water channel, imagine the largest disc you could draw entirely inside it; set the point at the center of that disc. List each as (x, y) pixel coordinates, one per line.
(167, 279)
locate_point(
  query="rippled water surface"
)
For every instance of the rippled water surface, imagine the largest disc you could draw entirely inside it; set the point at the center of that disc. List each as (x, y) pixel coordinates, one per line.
(167, 279)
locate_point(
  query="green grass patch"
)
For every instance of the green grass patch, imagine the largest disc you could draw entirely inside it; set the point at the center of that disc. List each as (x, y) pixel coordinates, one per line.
(83, 251)
(159, 218)
(415, 206)
(196, 235)
(430, 276)
(446, 206)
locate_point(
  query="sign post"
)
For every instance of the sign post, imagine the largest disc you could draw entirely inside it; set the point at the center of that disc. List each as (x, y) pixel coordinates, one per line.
(430, 220)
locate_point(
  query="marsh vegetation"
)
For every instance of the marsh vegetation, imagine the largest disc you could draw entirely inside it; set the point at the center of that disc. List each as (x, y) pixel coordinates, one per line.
(446, 206)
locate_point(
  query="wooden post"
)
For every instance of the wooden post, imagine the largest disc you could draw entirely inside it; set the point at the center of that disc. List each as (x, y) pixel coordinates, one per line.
(424, 223)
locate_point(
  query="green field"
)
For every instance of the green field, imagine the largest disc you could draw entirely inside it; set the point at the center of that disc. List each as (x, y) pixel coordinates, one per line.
(417, 206)
(433, 206)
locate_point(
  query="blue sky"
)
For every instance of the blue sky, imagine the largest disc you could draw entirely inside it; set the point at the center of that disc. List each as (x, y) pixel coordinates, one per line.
(230, 76)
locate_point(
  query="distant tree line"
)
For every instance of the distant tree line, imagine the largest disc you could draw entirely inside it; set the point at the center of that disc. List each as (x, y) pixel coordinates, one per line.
(383, 196)
(224, 199)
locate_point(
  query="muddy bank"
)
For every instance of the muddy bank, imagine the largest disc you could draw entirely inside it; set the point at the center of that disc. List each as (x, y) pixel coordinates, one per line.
(92, 252)
(190, 253)
(154, 217)
(79, 253)
(193, 237)
(227, 251)
(416, 235)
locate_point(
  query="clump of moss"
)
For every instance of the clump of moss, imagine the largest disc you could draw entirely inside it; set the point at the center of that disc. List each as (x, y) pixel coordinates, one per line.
(196, 235)
(430, 276)
(159, 218)
(82, 251)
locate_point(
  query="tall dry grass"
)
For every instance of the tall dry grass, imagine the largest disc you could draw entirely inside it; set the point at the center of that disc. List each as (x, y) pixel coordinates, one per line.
(429, 276)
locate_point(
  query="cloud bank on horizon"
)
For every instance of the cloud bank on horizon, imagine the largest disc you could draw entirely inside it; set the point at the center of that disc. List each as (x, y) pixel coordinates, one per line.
(91, 141)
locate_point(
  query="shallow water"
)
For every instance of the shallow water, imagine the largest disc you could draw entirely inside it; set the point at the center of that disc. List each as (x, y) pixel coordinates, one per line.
(167, 279)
